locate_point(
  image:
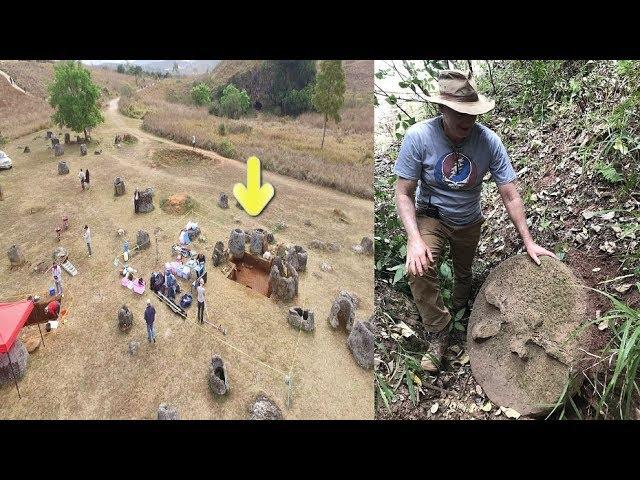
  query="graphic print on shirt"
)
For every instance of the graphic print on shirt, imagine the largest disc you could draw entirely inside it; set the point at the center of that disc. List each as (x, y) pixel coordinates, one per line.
(456, 171)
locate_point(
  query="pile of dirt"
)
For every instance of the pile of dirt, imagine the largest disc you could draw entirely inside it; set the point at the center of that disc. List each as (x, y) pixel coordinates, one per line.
(522, 337)
(178, 203)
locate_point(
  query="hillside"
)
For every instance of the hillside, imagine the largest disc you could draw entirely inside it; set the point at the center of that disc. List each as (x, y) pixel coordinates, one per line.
(246, 74)
(286, 145)
(185, 67)
(21, 114)
(571, 130)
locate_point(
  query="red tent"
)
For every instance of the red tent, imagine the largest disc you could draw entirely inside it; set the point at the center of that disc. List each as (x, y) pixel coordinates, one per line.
(12, 318)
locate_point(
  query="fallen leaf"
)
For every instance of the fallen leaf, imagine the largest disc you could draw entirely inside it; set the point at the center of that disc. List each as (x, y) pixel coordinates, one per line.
(608, 216)
(478, 389)
(487, 407)
(587, 214)
(623, 288)
(416, 380)
(603, 325)
(434, 408)
(597, 269)
(405, 329)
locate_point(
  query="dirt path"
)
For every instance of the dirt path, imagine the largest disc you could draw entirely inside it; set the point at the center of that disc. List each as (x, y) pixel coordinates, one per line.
(86, 366)
(6, 76)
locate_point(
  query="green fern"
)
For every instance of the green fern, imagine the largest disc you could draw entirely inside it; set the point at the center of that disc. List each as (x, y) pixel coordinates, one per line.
(609, 173)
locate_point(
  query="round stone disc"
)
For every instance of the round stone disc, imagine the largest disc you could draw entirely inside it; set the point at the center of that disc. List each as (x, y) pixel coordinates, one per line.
(522, 339)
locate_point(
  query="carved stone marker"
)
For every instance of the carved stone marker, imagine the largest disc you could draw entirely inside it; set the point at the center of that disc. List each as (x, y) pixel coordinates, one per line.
(521, 337)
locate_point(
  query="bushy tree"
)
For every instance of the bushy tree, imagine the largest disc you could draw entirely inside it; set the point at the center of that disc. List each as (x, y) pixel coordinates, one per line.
(298, 101)
(234, 102)
(286, 76)
(328, 94)
(201, 94)
(121, 68)
(74, 97)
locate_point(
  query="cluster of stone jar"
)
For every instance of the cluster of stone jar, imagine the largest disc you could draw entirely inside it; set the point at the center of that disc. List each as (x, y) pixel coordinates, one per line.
(283, 277)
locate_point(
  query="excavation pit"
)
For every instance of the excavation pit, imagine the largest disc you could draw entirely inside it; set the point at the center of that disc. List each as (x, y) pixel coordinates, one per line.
(252, 272)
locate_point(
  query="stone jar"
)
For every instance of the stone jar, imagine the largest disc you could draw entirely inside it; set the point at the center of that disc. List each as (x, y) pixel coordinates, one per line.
(236, 243)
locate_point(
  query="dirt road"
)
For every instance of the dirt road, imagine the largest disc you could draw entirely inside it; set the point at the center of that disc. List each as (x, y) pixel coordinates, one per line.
(6, 76)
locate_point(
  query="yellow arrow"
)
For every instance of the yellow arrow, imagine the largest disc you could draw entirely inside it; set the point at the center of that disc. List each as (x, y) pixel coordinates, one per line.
(253, 197)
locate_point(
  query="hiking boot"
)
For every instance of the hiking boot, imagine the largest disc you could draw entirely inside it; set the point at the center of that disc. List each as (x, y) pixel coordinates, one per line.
(432, 359)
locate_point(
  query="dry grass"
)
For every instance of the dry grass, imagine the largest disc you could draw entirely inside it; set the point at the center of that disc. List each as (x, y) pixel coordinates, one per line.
(22, 114)
(34, 76)
(129, 107)
(283, 145)
(290, 146)
(85, 370)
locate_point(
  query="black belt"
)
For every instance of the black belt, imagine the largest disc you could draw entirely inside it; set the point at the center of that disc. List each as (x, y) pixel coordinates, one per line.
(428, 211)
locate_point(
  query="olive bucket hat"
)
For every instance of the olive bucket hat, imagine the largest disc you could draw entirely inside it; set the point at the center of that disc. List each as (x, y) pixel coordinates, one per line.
(458, 91)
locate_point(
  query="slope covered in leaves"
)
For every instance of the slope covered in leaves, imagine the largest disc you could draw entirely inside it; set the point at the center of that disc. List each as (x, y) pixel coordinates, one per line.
(572, 131)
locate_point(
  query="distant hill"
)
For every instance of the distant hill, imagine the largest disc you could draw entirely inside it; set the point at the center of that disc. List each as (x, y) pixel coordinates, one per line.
(358, 73)
(185, 67)
(247, 74)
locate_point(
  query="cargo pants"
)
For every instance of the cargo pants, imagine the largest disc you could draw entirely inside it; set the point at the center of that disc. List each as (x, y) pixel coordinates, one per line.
(463, 242)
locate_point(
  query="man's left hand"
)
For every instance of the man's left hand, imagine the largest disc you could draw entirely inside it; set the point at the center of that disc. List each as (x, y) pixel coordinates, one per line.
(534, 250)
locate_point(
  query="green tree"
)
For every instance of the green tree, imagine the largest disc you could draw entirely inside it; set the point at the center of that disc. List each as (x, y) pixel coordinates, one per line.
(74, 97)
(234, 102)
(328, 94)
(286, 76)
(121, 68)
(298, 101)
(201, 94)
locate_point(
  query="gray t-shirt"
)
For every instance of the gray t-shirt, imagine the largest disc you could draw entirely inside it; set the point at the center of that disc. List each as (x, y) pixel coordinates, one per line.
(451, 175)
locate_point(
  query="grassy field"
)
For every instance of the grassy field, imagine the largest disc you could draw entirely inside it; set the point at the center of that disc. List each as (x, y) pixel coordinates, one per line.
(290, 146)
(21, 114)
(85, 370)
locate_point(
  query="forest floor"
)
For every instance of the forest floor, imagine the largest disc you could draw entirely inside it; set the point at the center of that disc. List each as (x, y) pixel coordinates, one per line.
(590, 223)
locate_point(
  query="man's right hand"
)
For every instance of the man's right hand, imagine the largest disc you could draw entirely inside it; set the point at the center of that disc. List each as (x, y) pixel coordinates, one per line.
(418, 256)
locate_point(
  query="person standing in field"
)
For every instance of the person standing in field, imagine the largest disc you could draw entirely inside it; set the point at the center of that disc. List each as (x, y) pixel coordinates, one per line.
(136, 201)
(193, 142)
(86, 177)
(201, 292)
(149, 318)
(87, 238)
(56, 273)
(81, 176)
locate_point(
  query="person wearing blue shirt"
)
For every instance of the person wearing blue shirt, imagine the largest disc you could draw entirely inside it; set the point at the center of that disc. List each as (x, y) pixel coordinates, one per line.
(440, 170)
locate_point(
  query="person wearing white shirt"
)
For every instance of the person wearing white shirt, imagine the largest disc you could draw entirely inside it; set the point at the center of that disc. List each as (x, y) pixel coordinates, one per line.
(201, 301)
(56, 272)
(87, 237)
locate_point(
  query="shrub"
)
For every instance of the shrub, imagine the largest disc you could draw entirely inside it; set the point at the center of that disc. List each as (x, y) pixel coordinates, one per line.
(226, 149)
(234, 102)
(297, 101)
(201, 94)
(222, 131)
